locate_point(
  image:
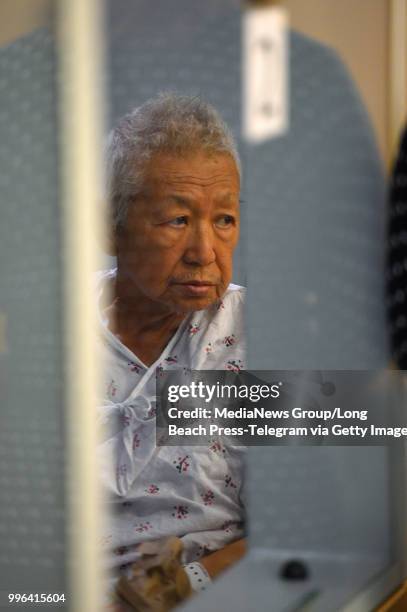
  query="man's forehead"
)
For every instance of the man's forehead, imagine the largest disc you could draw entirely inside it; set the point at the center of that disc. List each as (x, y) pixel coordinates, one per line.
(185, 199)
(195, 168)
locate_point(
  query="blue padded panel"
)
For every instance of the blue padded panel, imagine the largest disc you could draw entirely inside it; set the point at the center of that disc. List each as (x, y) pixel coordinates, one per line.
(32, 472)
(316, 230)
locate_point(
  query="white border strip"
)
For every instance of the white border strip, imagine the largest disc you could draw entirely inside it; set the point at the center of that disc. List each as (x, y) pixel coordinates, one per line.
(80, 38)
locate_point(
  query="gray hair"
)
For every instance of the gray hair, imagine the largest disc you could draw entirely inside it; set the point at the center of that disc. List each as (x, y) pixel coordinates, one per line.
(170, 123)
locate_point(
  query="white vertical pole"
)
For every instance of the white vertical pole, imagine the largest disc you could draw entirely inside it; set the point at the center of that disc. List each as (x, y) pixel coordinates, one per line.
(80, 39)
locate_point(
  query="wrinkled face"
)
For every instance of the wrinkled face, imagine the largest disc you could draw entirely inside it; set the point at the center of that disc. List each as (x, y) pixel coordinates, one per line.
(176, 248)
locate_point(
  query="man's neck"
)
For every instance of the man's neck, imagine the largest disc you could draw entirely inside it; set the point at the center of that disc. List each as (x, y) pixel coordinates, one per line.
(142, 325)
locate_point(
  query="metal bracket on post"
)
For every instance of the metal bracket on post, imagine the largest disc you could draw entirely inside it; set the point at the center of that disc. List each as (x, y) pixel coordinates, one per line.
(265, 71)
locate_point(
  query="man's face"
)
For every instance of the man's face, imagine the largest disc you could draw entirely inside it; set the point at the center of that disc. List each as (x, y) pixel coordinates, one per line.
(177, 244)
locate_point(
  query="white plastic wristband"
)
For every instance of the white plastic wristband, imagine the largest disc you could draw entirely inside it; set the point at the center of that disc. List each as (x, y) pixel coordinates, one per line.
(198, 576)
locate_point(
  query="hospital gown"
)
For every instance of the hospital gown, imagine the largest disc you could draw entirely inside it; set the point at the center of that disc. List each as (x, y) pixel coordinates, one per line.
(192, 492)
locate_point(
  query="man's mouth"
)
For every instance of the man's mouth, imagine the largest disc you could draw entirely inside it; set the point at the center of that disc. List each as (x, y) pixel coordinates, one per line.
(195, 287)
(196, 283)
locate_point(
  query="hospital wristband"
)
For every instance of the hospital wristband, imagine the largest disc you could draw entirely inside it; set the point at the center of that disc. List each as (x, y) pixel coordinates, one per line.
(198, 576)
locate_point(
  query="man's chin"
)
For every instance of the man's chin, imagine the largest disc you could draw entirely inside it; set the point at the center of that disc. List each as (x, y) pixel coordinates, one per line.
(187, 298)
(186, 306)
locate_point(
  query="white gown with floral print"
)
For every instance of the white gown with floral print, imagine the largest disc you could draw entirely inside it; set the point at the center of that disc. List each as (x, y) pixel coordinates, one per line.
(194, 492)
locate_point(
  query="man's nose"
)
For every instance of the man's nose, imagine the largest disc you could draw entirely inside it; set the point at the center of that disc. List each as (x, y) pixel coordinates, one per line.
(200, 250)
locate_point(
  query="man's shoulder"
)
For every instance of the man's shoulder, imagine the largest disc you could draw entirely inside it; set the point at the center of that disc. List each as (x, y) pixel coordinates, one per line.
(230, 307)
(236, 290)
(235, 295)
(221, 338)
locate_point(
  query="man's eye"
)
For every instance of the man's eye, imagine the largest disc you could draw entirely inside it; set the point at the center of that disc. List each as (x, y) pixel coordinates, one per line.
(225, 221)
(178, 221)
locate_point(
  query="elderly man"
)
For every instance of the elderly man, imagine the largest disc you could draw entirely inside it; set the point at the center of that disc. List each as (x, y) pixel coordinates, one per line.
(174, 177)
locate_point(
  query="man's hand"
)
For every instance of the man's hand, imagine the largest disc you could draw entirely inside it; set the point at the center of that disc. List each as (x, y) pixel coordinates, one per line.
(217, 562)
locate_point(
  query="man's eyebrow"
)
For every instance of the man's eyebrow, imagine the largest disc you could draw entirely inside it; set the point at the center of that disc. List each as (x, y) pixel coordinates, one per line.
(228, 198)
(229, 195)
(178, 199)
